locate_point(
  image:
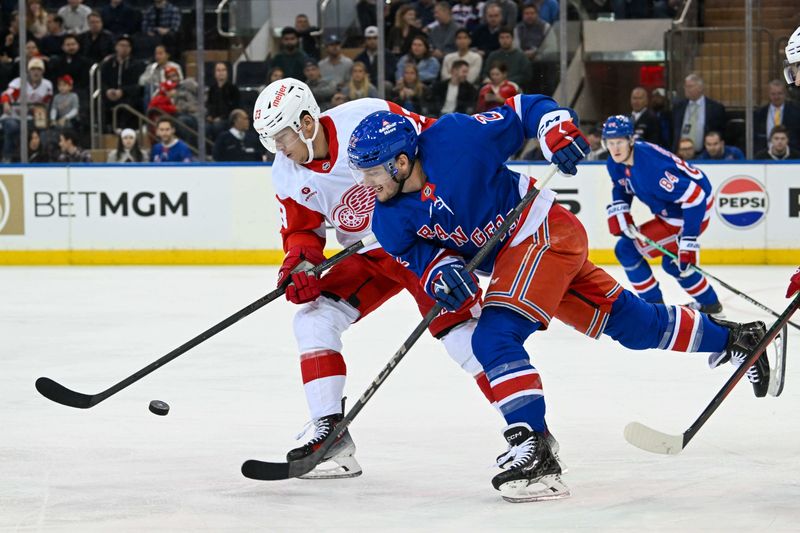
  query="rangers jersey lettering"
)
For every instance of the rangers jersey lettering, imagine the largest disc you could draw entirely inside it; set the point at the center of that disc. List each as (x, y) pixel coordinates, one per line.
(469, 191)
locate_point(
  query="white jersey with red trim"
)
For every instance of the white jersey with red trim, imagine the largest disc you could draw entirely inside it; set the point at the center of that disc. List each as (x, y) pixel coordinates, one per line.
(325, 190)
(41, 94)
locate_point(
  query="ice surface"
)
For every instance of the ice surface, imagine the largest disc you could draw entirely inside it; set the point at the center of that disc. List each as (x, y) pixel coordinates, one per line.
(425, 440)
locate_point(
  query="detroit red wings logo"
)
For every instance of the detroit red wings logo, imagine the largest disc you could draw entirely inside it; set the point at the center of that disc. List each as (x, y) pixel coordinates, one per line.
(355, 211)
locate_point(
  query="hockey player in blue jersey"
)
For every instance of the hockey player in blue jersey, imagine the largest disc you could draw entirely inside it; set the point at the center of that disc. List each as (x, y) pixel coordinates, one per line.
(679, 196)
(443, 192)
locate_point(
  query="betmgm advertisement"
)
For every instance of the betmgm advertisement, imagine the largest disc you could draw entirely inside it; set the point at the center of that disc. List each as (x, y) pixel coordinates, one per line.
(222, 214)
(12, 205)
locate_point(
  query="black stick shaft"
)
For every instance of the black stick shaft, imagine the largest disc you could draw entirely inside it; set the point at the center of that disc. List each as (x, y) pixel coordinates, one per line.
(58, 393)
(737, 292)
(422, 326)
(783, 319)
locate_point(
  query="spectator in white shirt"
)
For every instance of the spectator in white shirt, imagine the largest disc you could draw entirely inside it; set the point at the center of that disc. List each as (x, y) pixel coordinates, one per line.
(75, 16)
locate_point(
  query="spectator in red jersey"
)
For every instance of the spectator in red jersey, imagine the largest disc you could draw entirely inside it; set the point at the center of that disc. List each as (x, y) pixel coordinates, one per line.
(499, 88)
(156, 72)
(163, 101)
(39, 91)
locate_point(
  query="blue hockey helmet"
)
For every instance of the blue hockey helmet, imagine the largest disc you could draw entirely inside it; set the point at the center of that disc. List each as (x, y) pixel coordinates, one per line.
(379, 138)
(617, 126)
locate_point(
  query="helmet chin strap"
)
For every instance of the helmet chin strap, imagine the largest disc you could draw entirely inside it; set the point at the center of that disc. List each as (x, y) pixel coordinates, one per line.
(310, 142)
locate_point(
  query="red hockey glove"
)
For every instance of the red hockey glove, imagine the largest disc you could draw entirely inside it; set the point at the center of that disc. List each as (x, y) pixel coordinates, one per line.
(794, 284)
(301, 287)
(688, 254)
(620, 220)
(568, 146)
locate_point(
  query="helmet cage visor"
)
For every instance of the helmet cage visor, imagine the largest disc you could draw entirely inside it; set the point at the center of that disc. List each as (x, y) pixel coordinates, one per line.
(283, 140)
(604, 141)
(376, 176)
(791, 71)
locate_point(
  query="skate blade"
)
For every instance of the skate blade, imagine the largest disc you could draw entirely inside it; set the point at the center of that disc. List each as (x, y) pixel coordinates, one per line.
(545, 488)
(561, 464)
(777, 374)
(338, 468)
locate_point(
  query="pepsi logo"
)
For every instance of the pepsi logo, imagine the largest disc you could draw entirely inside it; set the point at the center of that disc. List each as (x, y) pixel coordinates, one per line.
(742, 202)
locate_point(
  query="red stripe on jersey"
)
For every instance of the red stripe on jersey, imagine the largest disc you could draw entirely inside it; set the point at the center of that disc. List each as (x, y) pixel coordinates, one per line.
(486, 388)
(422, 121)
(693, 197)
(684, 334)
(321, 364)
(325, 165)
(645, 285)
(698, 288)
(514, 385)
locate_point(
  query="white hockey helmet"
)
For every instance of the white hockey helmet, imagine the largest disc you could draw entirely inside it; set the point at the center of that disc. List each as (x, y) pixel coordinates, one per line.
(281, 105)
(791, 67)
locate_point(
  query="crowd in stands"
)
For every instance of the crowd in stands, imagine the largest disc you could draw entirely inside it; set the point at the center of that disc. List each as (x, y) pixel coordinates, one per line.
(462, 56)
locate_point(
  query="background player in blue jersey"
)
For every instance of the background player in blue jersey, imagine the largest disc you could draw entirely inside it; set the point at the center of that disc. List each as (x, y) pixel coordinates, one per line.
(443, 192)
(679, 196)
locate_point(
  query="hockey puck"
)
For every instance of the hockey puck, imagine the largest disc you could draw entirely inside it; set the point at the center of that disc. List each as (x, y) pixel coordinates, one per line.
(157, 407)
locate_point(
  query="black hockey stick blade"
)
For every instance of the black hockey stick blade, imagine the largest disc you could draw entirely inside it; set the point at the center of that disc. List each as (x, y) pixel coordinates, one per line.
(651, 440)
(60, 394)
(268, 471)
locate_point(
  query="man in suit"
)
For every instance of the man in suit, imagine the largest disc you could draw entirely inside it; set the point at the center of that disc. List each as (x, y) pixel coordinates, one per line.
(778, 112)
(696, 115)
(645, 122)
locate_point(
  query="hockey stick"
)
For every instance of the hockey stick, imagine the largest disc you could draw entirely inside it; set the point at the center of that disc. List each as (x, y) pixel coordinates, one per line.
(268, 471)
(60, 394)
(737, 292)
(655, 441)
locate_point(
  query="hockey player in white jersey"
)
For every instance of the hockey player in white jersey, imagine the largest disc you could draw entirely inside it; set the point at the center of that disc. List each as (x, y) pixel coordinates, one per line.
(315, 187)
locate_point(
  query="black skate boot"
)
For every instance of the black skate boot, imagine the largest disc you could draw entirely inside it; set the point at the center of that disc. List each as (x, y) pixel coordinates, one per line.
(741, 341)
(505, 459)
(714, 309)
(341, 453)
(532, 472)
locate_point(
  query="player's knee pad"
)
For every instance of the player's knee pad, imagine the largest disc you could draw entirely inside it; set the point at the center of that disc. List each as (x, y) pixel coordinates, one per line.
(635, 323)
(626, 252)
(669, 266)
(458, 343)
(499, 336)
(319, 325)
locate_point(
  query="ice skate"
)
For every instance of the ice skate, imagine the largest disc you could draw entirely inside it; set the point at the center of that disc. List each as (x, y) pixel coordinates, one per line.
(531, 470)
(742, 339)
(339, 462)
(504, 459)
